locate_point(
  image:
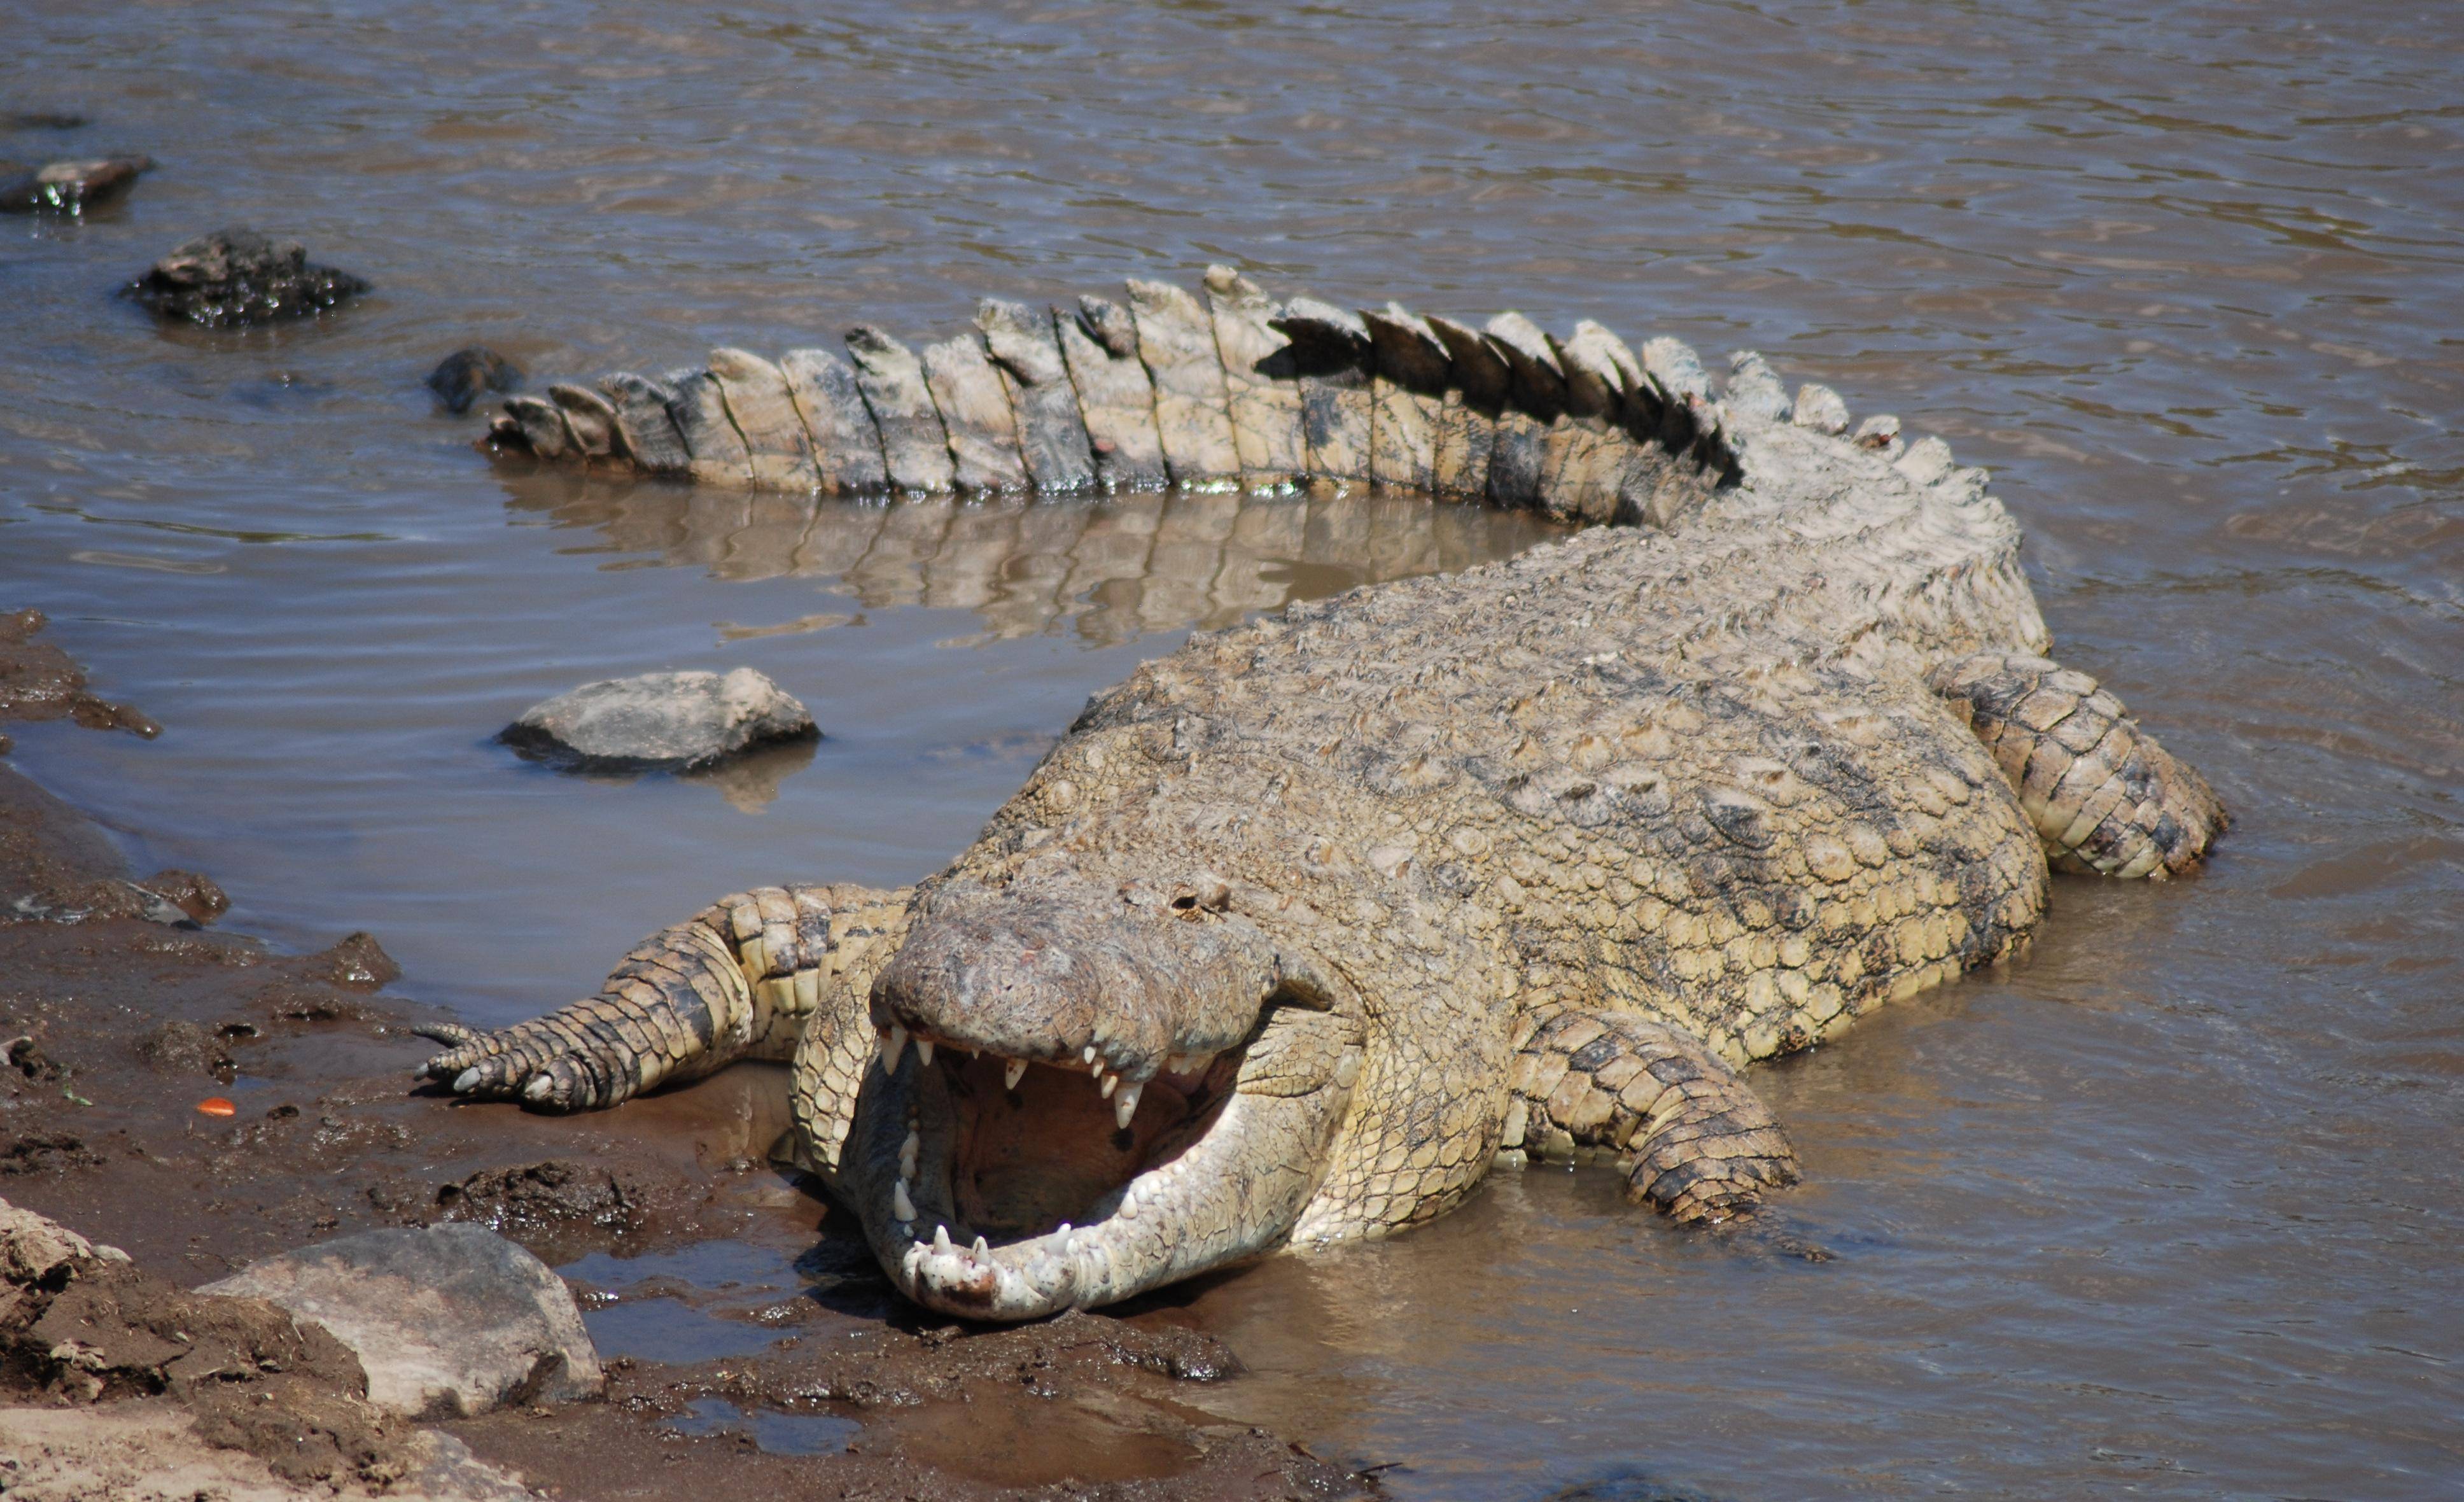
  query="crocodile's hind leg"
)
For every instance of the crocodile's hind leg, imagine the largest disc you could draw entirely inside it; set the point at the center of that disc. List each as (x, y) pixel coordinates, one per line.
(737, 981)
(2105, 796)
(1690, 1136)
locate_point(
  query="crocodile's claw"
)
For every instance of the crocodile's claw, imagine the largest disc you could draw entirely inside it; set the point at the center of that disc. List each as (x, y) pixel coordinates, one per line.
(553, 1063)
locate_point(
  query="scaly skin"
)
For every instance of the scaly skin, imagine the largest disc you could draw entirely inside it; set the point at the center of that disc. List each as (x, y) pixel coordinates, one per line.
(1327, 913)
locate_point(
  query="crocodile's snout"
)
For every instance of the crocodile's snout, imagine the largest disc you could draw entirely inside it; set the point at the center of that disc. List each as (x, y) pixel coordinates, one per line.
(1099, 1073)
(1079, 974)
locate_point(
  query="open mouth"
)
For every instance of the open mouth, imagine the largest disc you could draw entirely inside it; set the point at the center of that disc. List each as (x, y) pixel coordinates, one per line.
(1019, 1187)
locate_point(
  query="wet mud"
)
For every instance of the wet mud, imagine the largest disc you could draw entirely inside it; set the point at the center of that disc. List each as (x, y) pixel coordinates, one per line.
(197, 1100)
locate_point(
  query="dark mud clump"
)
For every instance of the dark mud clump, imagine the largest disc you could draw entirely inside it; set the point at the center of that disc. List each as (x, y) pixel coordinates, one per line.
(233, 277)
(556, 1204)
(38, 681)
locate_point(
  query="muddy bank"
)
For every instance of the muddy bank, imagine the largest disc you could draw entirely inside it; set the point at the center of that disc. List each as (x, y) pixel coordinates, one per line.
(199, 1101)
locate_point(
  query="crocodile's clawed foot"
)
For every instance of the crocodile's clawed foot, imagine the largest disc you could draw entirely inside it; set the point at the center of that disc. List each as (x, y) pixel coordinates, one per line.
(1701, 1145)
(552, 1063)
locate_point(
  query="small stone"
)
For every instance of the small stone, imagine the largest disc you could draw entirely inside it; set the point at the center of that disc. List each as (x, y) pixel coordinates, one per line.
(72, 187)
(660, 721)
(1821, 409)
(464, 375)
(232, 278)
(449, 1321)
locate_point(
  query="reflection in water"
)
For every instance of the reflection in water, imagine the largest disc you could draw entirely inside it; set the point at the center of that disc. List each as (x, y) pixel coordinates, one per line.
(1110, 569)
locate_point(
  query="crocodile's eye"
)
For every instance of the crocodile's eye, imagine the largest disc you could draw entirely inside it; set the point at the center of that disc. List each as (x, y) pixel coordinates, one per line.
(1205, 895)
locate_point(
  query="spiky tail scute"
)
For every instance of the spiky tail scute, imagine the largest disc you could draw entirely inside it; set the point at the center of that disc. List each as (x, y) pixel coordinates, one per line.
(1234, 389)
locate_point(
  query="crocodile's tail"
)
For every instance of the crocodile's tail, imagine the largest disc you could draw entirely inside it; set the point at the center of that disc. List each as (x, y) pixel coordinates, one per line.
(1234, 389)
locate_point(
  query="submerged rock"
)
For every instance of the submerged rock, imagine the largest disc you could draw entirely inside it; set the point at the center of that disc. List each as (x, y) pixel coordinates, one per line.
(232, 278)
(449, 1321)
(463, 375)
(71, 187)
(660, 721)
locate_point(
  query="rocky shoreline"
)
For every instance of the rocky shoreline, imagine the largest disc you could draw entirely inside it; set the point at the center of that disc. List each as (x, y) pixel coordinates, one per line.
(124, 1013)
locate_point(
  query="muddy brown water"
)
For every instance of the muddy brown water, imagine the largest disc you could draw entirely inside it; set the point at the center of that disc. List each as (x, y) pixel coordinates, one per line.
(2171, 1209)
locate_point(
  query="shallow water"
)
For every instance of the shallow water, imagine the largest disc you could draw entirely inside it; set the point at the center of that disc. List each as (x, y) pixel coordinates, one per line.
(2168, 1209)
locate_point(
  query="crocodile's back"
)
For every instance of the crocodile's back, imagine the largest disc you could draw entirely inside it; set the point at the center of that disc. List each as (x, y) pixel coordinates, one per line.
(1694, 772)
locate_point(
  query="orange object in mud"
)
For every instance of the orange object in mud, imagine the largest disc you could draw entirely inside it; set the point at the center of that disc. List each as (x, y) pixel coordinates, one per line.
(216, 1106)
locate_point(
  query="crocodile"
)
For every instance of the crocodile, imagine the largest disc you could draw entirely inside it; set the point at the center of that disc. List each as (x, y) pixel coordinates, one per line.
(1308, 925)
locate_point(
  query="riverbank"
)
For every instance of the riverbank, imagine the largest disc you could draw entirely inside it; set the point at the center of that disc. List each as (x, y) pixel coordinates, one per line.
(199, 1099)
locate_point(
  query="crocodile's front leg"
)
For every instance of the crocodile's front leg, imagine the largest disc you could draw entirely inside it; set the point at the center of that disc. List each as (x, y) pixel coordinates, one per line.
(1691, 1137)
(735, 981)
(2105, 796)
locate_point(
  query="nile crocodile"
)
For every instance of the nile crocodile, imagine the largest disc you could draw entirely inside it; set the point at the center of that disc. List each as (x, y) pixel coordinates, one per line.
(1304, 927)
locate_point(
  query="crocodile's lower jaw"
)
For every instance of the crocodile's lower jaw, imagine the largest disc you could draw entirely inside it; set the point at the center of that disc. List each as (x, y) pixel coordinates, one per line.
(1019, 1190)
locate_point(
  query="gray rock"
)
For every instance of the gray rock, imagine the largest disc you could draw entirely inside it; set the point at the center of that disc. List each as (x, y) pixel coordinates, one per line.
(660, 721)
(449, 1322)
(72, 187)
(237, 277)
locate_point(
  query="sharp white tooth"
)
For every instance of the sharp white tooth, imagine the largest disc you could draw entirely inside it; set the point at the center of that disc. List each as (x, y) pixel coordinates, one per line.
(1011, 1075)
(893, 1043)
(1125, 1105)
(900, 1205)
(983, 1249)
(1063, 1230)
(1086, 1055)
(907, 1152)
(924, 1050)
(1111, 1082)
(941, 1237)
